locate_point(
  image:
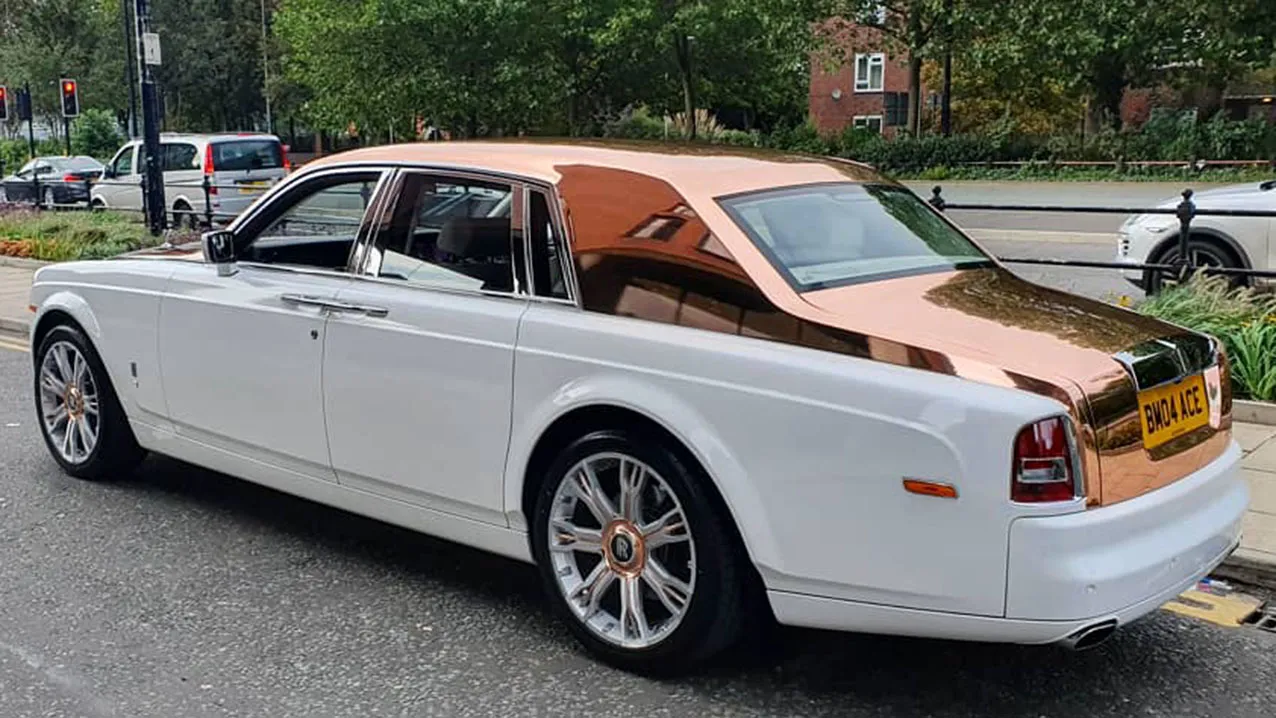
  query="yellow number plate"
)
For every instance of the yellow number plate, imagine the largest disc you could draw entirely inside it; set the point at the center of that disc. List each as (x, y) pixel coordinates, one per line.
(1170, 411)
(251, 187)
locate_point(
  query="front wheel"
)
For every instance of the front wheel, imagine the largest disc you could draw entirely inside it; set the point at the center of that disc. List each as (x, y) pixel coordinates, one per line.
(1201, 253)
(77, 409)
(636, 555)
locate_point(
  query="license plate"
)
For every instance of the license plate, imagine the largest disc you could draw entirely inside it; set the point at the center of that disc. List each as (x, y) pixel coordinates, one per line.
(1168, 412)
(251, 187)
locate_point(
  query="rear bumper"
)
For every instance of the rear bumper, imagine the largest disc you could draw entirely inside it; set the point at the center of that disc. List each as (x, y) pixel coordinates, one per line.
(1066, 573)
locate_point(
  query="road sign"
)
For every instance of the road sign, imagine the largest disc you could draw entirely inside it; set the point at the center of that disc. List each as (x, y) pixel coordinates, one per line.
(151, 48)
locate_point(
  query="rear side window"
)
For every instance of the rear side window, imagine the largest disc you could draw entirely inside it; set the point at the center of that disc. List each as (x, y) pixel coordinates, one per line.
(179, 156)
(244, 155)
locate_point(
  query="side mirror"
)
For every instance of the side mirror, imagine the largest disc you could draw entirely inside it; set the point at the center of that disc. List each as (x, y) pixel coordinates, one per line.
(108, 173)
(219, 249)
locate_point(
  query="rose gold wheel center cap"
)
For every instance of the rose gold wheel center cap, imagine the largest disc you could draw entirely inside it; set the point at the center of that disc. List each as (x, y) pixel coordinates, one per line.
(74, 402)
(623, 548)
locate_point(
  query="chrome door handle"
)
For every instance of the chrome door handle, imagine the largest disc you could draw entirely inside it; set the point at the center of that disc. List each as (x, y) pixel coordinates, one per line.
(333, 305)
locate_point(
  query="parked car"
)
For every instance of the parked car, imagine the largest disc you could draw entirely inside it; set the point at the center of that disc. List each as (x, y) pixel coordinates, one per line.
(53, 181)
(239, 168)
(696, 387)
(1239, 242)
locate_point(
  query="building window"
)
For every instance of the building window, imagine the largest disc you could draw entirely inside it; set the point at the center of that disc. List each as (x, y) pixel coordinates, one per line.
(872, 123)
(869, 72)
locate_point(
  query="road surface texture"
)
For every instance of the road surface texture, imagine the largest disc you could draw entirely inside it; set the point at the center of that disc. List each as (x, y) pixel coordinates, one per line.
(180, 593)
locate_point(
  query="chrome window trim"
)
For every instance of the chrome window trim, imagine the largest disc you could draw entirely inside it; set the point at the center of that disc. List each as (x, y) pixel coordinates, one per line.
(565, 262)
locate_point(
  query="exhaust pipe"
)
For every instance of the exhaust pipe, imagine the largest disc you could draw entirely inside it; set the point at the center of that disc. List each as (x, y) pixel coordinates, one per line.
(1090, 636)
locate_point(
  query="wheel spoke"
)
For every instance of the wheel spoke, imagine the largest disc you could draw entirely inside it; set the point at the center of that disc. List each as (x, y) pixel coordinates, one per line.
(672, 591)
(51, 383)
(68, 440)
(77, 371)
(63, 361)
(90, 405)
(88, 435)
(589, 594)
(633, 478)
(570, 537)
(55, 415)
(633, 617)
(668, 529)
(590, 492)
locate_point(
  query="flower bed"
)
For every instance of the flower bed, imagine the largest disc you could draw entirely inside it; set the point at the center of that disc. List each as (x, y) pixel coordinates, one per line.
(1243, 319)
(63, 236)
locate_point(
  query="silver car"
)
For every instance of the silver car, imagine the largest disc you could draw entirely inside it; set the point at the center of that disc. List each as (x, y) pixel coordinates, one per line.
(239, 168)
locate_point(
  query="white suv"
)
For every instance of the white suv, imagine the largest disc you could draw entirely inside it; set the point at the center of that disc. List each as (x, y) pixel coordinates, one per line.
(239, 167)
(1242, 242)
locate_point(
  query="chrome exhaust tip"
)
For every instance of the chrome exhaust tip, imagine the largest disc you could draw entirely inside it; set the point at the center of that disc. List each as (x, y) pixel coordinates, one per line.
(1090, 636)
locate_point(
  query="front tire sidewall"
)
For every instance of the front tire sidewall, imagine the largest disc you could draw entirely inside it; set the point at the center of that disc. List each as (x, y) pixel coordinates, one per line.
(1154, 281)
(714, 616)
(116, 449)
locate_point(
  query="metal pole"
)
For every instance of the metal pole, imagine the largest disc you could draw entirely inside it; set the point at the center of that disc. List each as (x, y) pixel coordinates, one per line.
(26, 89)
(1185, 211)
(66, 130)
(265, 69)
(208, 202)
(153, 189)
(946, 107)
(130, 68)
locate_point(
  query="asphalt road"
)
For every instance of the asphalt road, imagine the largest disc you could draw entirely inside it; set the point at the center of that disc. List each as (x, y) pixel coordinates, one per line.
(180, 593)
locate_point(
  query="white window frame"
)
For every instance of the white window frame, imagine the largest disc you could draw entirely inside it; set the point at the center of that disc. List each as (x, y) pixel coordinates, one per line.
(863, 81)
(862, 122)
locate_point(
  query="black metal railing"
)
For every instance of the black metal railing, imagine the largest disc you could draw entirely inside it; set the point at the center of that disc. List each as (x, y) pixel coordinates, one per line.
(1185, 211)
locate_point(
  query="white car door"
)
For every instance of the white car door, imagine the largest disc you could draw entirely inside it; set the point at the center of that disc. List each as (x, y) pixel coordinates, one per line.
(122, 190)
(417, 394)
(241, 354)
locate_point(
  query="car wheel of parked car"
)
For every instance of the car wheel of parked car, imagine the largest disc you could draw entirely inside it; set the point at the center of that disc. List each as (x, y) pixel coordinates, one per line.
(637, 556)
(97, 205)
(184, 217)
(1201, 253)
(79, 413)
(49, 201)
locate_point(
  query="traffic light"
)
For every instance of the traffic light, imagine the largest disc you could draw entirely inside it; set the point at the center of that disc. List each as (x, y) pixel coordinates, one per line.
(4, 103)
(24, 104)
(70, 98)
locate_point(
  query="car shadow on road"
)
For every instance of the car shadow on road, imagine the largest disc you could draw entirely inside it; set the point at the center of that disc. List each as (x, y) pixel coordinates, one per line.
(793, 671)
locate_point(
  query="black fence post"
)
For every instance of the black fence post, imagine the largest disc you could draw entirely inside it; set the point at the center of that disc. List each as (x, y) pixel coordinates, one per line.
(88, 192)
(936, 200)
(1185, 212)
(208, 202)
(36, 199)
(141, 184)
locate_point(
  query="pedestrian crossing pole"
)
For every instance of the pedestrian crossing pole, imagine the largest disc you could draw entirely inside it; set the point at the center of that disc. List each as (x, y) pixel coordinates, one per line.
(148, 56)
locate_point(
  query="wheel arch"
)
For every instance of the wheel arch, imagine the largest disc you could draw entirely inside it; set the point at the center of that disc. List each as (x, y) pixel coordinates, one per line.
(64, 307)
(1209, 234)
(698, 445)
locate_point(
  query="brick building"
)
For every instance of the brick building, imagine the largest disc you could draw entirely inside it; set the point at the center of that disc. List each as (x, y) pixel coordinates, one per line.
(858, 82)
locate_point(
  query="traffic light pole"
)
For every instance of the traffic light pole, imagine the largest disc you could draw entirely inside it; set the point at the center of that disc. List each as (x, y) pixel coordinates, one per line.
(156, 210)
(66, 131)
(26, 88)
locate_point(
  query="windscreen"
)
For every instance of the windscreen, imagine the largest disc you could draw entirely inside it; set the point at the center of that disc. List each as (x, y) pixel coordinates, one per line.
(243, 155)
(829, 235)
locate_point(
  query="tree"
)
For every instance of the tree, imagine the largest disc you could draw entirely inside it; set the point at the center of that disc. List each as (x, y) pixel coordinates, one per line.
(95, 134)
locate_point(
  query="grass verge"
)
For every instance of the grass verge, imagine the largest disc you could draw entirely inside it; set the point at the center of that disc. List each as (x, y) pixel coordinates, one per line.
(64, 236)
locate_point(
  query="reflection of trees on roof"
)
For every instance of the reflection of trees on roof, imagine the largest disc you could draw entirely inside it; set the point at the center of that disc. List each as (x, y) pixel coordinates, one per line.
(997, 295)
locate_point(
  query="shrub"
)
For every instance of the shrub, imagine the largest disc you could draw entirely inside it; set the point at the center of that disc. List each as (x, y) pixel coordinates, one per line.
(95, 134)
(1244, 320)
(636, 125)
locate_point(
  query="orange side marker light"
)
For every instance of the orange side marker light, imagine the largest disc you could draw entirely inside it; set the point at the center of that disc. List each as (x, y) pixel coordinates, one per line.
(930, 488)
(32, 308)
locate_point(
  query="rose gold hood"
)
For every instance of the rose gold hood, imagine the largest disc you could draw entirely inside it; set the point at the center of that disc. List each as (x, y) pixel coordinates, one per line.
(997, 328)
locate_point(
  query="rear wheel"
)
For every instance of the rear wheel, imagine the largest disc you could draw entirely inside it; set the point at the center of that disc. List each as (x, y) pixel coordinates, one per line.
(636, 556)
(1201, 252)
(184, 217)
(49, 200)
(78, 411)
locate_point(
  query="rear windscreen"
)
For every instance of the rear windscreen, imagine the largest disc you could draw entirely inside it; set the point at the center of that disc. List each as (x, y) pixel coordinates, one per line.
(242, 155)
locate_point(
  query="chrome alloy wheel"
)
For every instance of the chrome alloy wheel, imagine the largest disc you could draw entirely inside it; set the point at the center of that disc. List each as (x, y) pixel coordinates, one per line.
(621, 551)
(69, 402)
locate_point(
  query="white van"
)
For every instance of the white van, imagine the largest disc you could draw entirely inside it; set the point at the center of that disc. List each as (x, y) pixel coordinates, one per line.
(239, 167)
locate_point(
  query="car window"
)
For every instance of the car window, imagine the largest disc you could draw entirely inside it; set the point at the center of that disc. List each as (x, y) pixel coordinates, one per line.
(446, 232)
(315, 224)
(43, 168)
(124, 162)
(179, 156)
(828, 235)
(547, 249)
(244, 155)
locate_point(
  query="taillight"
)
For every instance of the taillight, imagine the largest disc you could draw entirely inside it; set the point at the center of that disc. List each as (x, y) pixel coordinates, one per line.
(70, 178)
(283, 154)
(1045, 463)
(209, 169)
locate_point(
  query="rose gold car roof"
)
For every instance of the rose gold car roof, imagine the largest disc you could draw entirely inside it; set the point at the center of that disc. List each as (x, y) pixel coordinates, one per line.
(714, 170)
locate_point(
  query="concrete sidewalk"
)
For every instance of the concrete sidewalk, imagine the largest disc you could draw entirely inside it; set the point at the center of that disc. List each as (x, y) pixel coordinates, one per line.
(1255, 561)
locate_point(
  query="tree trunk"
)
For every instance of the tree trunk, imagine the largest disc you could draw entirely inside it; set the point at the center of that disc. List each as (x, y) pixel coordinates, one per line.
(914, 95)
(682, 46)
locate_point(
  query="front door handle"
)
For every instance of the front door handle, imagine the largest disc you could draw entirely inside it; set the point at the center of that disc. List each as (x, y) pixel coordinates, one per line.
(332, 305)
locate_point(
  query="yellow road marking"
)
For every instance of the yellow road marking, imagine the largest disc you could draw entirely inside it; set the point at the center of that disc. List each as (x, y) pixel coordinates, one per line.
(14, 346)
(1227, 611)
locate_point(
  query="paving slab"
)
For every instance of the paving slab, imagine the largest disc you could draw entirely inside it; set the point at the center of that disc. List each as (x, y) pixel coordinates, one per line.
(1252, 436)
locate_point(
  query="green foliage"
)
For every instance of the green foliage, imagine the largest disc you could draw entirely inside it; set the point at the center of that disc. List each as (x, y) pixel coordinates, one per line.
(95, 134)
(1244, 320)
(63, 236)
(15, 153)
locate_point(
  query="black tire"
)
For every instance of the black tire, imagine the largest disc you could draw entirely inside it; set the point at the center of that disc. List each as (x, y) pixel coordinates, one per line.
(116, 451)
(50, 198)
(1204, 252)
(184, 217)
(717, 612)
(97, 205)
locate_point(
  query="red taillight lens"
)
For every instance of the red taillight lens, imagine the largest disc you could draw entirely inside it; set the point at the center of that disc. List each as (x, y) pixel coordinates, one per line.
(70, 178)
(208, 167)
(1045, 463)
(283, 153)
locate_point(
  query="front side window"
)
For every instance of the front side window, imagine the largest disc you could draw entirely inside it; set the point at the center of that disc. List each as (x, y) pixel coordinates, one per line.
(124, 162)
(452, 233)
(829, 235)
(869, 72)
(314, 225)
